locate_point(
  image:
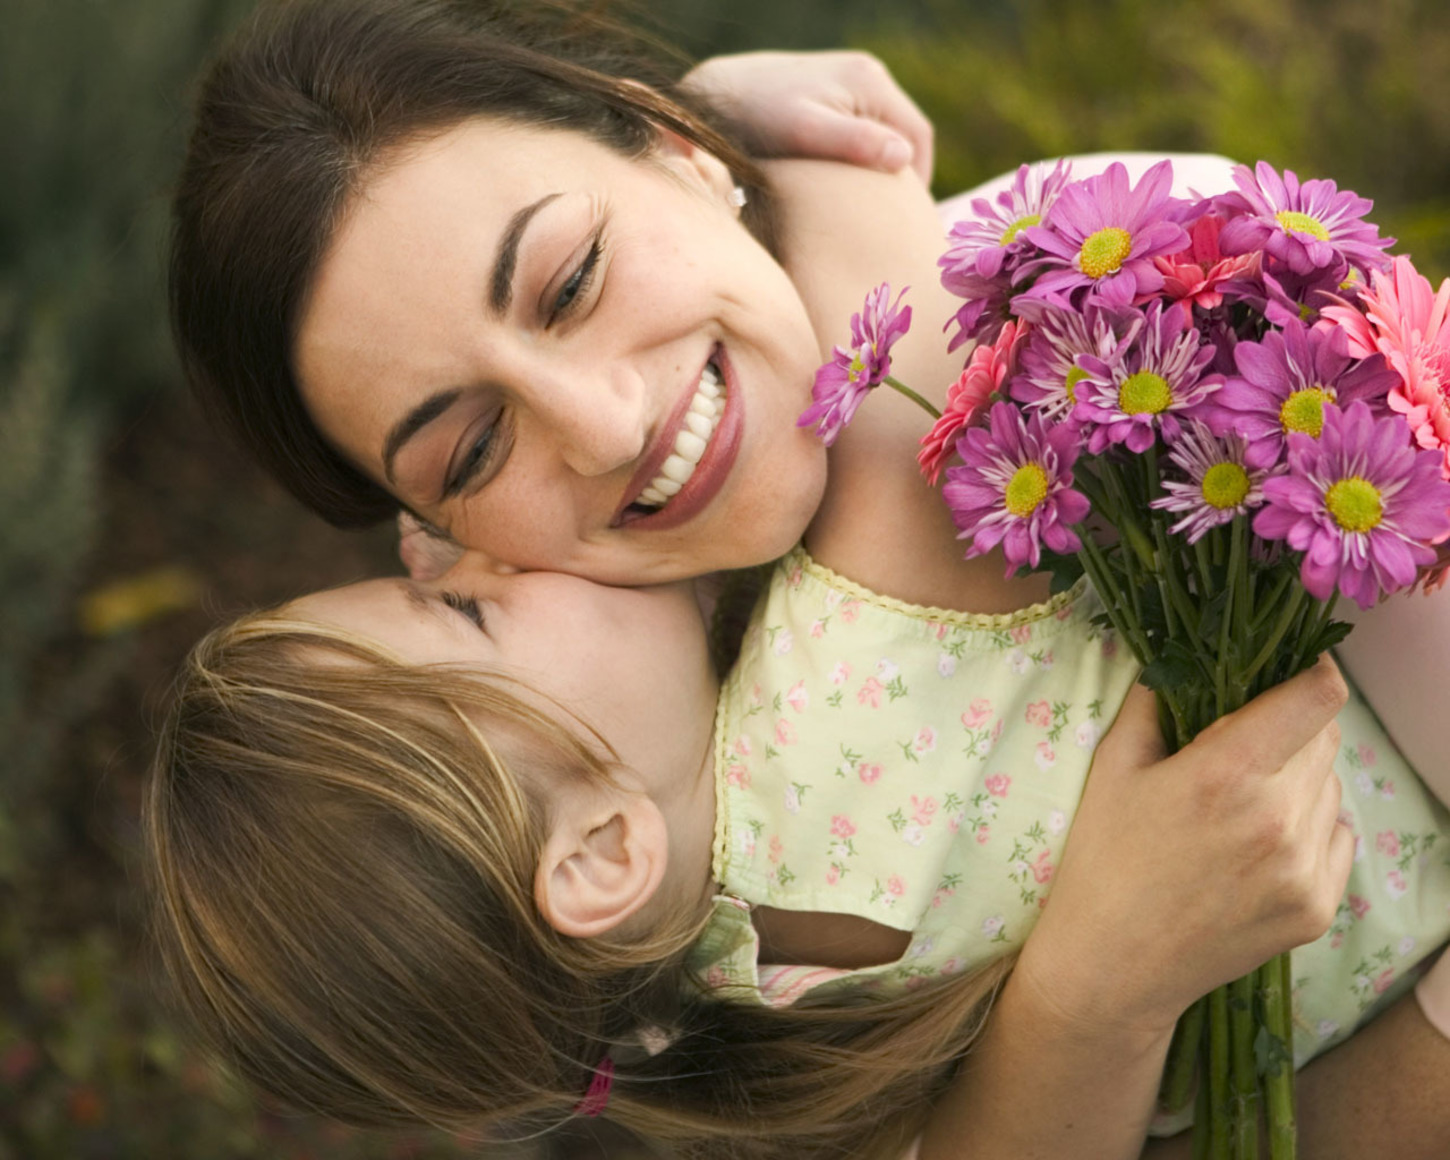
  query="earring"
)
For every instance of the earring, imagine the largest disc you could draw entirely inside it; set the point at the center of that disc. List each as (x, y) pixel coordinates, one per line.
(736, 197)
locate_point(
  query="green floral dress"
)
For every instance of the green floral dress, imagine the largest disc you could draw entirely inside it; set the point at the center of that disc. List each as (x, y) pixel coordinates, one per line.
(920, 768)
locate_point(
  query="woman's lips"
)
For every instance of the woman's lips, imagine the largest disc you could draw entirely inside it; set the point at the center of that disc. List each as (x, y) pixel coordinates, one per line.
(710, 472)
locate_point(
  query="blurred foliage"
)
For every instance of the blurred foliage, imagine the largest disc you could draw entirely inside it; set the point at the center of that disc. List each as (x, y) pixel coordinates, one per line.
(1328, 88)
(113, 515)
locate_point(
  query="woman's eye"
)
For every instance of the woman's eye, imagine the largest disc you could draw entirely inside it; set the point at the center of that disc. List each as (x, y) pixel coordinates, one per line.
(467, 605)
(479, 453)
(574, 289)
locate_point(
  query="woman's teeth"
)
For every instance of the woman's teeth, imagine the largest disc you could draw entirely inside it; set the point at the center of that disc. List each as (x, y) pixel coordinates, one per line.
(700, 421)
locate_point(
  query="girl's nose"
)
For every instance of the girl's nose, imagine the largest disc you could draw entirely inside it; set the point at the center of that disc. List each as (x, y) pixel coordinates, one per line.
(596, 417)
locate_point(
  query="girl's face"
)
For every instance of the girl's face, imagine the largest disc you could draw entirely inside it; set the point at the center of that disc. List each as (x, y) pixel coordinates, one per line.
(631, 663)
(566, 359)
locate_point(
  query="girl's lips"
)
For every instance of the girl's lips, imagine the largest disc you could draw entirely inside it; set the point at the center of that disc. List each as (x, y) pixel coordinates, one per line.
(709, 474)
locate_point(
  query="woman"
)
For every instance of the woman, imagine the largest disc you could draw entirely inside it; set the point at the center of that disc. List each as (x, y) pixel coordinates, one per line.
(405, 286)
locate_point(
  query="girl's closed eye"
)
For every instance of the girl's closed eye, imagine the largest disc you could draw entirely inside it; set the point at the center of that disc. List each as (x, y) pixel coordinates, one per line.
(466, 606)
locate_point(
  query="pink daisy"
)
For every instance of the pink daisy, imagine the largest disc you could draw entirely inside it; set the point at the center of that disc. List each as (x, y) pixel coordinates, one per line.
(843, 382)
(988, 367)
(1409, 324)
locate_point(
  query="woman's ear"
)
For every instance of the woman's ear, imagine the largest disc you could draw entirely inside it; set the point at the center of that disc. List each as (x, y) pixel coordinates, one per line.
(696, 165)
(603, 861)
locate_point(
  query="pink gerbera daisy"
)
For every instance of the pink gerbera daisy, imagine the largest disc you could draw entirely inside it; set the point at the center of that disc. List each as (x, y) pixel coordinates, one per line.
(989, 366)
(1192, 276)
(1409, 324)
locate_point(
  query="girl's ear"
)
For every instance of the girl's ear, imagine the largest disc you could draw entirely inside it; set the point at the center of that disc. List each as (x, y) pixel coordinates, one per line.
(601, 863)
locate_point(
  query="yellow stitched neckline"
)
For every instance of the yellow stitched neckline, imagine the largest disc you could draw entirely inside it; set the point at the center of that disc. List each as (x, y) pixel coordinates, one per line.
(986, 621)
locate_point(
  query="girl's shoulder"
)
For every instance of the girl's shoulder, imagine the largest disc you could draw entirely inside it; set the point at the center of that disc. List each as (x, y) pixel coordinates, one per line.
(845, 231)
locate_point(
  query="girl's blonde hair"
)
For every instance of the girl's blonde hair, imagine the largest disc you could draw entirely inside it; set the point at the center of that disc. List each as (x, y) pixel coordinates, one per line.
(343, 868)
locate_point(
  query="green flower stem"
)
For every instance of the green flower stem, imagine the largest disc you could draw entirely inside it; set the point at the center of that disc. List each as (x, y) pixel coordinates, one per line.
(1309, 647)
(902, 388)
(1170, 584)
(1205, 566)
(1097, 567)
(1276, 593)
(1218, 1074)
(1202, 1110)
(1245, 1104)
(1287, 615)
(1178, 1074)
(1279, 1087)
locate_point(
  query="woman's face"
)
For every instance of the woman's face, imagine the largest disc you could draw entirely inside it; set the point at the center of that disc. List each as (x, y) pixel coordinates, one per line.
(566, 359)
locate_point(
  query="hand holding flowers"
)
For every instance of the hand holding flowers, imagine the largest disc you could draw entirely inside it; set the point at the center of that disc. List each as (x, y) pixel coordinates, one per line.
(1255, 399)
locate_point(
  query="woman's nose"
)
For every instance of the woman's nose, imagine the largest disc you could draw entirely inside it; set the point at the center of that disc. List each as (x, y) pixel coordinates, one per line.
(596, 417)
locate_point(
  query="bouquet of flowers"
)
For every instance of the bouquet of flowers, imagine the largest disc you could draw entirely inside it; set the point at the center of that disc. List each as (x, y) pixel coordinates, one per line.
(1229, 412)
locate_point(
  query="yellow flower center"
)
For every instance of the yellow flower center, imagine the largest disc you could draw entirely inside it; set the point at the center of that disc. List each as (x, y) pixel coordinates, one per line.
(1027, 489)
(1355, 504)
(1104, 251)
(1304, 410)
(1225, 485)
(858, 364)
(1301, 223)
(1018, 226)
(1144, 394)
(1074, 376)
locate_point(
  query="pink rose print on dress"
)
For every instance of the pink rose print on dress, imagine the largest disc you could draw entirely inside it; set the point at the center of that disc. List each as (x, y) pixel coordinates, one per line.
(1042, 868)
(1387, 791)
(1395, 884)
(923, 809)
(1367, 755)
(737, 775)
(996, 733)
(895, 886)
(1020, 633)
(925, 740)
(953, 966)
(1039, 713)
(777, 849)
(785, 732)
(850, 610)
(841, 826)
(784, 642)
(1358, 905)
(795, 577)
(992, 927)
(870, 693)
(983, 833)
(1337, 940)
(797, 697)
(1110, 646)
(840, 673)
(833, 874)
(1387, 842)
(715, 976)
(1044, 756)
(818, 629)
(742, 746)
(1047, 660)
(867, 772)
(1383, 980)
(998, 784)
(978, 713)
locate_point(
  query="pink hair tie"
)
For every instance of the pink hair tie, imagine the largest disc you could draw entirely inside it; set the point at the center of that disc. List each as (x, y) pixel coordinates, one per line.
(596, 1098)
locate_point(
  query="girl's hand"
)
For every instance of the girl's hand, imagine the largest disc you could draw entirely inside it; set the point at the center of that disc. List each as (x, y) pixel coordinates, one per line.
(425, 554)
(1185, 872)
(838, 106)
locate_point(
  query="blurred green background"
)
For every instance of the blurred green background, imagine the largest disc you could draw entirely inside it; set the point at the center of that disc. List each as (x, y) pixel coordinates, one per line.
(126, 529)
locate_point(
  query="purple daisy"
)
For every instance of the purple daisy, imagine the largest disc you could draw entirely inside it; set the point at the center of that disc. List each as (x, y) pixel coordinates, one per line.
(1360, 503)
(984, 314)
(1104, 234)
(1014, 488)
(1284, 382)
(982, 247)
(1220, 485)
(842, 383)
(1050, 372)
(1158, 381)
(1308, 227)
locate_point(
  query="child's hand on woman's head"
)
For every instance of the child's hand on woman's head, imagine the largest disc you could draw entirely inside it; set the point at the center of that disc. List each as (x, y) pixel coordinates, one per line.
(841, 106)
(1185, 872)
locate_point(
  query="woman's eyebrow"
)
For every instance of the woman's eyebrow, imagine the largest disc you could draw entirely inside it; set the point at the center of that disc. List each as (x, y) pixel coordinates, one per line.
(413, 422)
(501, 288)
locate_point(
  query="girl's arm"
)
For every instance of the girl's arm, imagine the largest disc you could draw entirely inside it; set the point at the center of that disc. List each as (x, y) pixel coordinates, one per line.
(1180, 873)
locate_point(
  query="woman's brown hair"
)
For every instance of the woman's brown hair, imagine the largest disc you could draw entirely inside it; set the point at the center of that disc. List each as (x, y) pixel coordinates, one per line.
(342, 860)
(289, 122)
